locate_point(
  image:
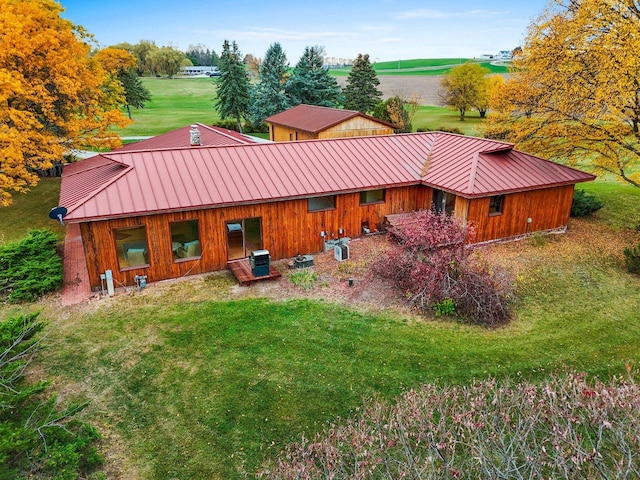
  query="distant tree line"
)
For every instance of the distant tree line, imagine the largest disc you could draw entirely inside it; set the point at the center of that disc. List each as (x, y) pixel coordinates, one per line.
(199, 55)
(280, 87)
(156, 61)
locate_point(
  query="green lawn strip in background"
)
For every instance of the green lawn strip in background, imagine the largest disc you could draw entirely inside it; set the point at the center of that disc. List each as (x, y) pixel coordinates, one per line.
(30, 211)
(428, 66)
(617, 198)
(175, 103)
(435, 118)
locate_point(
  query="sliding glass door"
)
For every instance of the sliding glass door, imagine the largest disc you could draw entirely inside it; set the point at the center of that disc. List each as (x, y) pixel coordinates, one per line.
(243, 236)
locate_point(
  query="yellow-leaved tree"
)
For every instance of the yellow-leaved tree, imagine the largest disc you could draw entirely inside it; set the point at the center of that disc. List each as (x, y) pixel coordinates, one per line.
(574, 96)
(465, 87)
(53, 95)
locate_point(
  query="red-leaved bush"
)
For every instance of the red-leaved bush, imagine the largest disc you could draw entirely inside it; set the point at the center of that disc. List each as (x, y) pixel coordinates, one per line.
(565, 428)
(431, 263)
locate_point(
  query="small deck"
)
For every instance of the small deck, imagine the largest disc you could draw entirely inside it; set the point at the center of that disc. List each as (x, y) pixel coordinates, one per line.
(241, 269)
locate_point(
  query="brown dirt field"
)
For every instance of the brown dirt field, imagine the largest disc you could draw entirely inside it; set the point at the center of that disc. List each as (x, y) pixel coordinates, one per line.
(424, 87)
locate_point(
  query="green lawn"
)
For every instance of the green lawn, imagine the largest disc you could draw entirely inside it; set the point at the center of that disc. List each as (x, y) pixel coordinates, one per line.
(186, 382)
(617, 201)
(30, 211)
(175, 103)
(437, 118)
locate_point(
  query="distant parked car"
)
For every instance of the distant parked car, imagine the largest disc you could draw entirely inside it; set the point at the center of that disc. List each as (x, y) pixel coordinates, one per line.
(214, 74)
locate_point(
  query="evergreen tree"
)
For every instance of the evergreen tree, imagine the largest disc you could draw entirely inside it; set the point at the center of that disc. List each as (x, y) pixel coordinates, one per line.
(135, 93)
(215, 58)
(361, 92)
(233, 85)
(311, 83)
(268, 96)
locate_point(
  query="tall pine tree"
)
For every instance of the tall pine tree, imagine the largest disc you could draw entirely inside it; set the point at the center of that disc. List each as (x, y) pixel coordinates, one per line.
(233, 85)
(268, 96)
(311, 83)
(135, 93)
(361, 92)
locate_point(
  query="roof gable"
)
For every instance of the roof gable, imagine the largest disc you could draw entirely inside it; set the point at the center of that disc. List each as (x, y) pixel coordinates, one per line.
(314, 119)
(84, 179)
(476, 167)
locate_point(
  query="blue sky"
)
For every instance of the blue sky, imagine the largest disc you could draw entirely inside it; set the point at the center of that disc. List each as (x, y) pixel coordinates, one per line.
(385, 29)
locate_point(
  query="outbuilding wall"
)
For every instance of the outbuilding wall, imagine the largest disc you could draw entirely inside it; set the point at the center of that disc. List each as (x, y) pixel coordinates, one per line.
(353, 127)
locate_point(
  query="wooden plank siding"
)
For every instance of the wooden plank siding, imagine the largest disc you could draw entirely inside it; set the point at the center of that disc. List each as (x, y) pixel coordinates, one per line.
(353, 127)
(548, 209)
(356, 127)
(288, 228)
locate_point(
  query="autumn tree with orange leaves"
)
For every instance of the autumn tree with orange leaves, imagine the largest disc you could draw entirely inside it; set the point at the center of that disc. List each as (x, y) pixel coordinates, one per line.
(574, 96)
(53, 95)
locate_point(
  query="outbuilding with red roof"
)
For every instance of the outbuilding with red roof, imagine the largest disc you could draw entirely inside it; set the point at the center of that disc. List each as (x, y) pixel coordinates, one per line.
(311, 122)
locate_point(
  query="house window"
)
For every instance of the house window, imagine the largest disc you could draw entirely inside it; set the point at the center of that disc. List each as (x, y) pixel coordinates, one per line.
(372, 196)
(317, 204)
(444, 202)
(185, 240)
(496, 204)
(131, 247)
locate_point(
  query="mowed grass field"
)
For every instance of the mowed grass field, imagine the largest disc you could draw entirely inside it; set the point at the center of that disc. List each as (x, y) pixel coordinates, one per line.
(200, 379)
(175, 103)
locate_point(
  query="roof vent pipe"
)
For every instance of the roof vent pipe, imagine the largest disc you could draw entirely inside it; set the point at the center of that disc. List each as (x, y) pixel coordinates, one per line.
(194, 135)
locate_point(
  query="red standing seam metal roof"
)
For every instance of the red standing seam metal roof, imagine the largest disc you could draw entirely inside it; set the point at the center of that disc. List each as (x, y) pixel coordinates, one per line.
(209, 137)
(314, 119)
(118, 184)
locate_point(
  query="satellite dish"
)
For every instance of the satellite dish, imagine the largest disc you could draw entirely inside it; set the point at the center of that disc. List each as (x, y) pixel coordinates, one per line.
(57, 213)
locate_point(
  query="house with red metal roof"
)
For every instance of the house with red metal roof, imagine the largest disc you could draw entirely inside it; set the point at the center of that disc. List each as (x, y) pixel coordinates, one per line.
(310, 122)
(168, 212)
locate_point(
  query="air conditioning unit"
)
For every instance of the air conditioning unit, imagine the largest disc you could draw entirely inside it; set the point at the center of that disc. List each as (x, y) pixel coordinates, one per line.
(341, 252)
